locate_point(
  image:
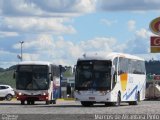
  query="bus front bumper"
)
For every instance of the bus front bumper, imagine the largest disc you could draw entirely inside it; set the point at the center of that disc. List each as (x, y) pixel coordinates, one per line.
(94, 97)
(32, 97)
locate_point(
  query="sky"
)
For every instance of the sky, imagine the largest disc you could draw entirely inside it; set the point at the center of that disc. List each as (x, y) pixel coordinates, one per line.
(60, 31)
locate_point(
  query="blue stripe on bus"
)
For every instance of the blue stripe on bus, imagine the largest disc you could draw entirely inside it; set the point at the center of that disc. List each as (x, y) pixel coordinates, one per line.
(128, 95)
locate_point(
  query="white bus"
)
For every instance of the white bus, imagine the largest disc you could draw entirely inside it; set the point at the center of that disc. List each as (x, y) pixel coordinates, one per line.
(110, 79)
(34, 81)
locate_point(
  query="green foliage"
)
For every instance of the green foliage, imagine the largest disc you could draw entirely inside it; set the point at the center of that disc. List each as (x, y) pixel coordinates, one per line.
(153, 67)
(6, 77)
(67, 74)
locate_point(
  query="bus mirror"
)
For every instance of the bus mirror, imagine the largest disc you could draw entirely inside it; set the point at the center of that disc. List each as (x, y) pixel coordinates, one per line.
(50, 76)
(74, 69)
(112, 70)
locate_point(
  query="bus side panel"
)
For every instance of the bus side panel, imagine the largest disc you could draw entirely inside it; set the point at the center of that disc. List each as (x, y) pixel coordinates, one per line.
(50, 91)
(135, 83)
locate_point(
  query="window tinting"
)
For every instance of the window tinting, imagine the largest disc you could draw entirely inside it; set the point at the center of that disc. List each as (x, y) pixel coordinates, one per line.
(3, 87)
(131, 66)
(123, 65)
(55, 70)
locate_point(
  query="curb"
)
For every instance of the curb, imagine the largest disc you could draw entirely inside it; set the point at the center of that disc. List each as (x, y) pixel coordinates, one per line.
(66, 99)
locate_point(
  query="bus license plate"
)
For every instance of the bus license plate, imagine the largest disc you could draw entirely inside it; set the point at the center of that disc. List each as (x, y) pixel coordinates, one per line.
(91, 98)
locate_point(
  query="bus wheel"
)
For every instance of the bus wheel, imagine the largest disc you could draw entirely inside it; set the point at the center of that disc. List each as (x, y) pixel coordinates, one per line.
(32, 102)
(118, 100)
(53, 102)
(137, 100)
(22, 102)
(28, 102)
(47, 102)
(86, 104)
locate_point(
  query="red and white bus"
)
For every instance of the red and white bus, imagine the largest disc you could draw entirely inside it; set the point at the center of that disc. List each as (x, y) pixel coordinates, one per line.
(34, 81)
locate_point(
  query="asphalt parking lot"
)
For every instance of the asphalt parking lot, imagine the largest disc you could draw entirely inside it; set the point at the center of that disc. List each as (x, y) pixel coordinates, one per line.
(71, 109)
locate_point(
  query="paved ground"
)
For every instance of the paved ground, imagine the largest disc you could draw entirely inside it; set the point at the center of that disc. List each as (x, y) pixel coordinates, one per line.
(73, 110)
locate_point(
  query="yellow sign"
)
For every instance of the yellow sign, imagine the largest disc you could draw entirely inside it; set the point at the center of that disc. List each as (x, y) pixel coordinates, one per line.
(155, 49)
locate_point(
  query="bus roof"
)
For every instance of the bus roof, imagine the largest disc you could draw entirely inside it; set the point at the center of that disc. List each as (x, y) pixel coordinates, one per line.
(34, 63)
(107, 56)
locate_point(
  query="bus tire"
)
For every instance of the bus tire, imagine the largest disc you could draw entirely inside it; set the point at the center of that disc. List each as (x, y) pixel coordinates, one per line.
(47, 102)
(22, 102)
(86, 103)
(53, 102)
(118, 100)
(28, 102)
(137, 99)
(32, 102)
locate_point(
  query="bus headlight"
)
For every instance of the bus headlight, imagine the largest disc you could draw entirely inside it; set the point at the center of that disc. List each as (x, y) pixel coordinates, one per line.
(45, 94)
(19, 93)
(103, 92)
(108, 91)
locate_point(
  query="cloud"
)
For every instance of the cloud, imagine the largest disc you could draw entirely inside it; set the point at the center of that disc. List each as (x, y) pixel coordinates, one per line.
(70, 8)
(98, 44)
(139, 44)
(108, 22)
(8, 34)
(61, 51)
(131, 25)
(45, 47)
(125, 5)
(36, 25)
(19, 8)
(39, 22)
(1, 2)
(143, 33)
(62, 6)
(36, 45)
(44, 16)
(46, 7)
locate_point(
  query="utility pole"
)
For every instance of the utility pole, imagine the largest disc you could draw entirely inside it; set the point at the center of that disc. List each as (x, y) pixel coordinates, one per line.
(21, 42)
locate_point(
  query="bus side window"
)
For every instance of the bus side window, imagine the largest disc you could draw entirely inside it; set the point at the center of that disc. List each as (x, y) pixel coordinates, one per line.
(130, 69)
(123, 66)
(142, 64)
(134, 67)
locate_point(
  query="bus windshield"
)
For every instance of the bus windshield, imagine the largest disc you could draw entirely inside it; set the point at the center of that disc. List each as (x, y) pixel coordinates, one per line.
(93, 75)
(32, 77)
